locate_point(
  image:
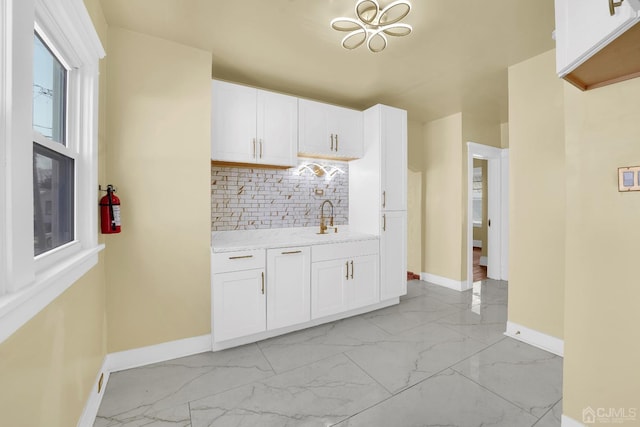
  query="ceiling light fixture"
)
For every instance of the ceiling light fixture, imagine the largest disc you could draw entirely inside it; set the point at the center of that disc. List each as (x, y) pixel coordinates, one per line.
(373, 24)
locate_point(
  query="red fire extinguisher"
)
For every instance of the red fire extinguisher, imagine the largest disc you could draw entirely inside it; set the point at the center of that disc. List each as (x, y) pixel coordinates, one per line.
(110, 212)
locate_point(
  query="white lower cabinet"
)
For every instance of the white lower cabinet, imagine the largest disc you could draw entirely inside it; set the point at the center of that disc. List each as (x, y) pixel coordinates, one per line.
(363, 287)
(238, 294)
(327, 287)
(288, 286)
(393, 254)
(239, 304)
(257, 292)
(344, 283)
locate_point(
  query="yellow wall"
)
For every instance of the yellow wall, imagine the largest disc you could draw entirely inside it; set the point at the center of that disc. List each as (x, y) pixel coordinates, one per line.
(158, 157)
(415, 196)
(537, 196)
(49, 366)
(443, 186)
(504, 135)
(602, 314)
(414, 221)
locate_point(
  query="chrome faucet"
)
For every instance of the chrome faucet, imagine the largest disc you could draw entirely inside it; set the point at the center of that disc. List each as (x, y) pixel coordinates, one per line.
(323, 226)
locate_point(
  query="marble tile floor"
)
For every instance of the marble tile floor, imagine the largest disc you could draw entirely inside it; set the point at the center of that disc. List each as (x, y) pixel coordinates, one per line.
(438, 358)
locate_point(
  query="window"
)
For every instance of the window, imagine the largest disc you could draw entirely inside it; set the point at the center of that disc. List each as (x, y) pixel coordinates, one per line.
(49, 60)
(53, 162)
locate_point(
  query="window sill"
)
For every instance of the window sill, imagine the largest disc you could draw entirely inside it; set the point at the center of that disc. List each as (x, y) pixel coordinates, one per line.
(18, 308)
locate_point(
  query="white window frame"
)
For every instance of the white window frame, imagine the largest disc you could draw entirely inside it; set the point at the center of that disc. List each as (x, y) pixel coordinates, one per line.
(28, 283)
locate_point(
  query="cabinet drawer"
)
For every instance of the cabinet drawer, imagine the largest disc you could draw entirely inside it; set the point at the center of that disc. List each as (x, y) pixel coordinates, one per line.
(236, 261)
(344, 250)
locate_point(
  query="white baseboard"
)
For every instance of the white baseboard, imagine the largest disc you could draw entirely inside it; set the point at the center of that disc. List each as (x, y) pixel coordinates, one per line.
(477, 243)
(88, 417)
(114, 362)
(535, 338)
(157, 353)
(484, 261)
(456, 285)
(570, 422)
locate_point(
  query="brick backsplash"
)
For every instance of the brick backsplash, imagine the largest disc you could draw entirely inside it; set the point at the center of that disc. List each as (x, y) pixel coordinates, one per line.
(246, 199)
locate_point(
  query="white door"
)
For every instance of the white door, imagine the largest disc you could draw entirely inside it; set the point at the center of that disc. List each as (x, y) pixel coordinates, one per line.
(585, 27)
(327, 287)
(277, 129)
(239, 305)
(314, 135)
(393, 255)
(288, 287)
(347, 127)
(233, 123)
(363, 286)
(394, 159)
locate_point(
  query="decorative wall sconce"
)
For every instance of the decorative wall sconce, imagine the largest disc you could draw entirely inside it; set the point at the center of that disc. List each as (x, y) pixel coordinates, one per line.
(318, 170)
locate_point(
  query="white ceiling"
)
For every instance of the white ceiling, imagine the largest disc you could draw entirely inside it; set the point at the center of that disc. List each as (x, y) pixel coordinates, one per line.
(455, 60)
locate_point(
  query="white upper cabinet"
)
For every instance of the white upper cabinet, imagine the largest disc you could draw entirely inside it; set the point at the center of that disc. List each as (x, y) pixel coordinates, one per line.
(329, 131)
(249, 125)
(393, 123)
(584, 28)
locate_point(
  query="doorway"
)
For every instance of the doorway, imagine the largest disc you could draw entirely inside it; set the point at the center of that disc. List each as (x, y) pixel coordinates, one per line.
(495, 244)
(479, 197)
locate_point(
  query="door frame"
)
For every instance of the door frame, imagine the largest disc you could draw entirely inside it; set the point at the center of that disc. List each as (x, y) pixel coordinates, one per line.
(498, 189)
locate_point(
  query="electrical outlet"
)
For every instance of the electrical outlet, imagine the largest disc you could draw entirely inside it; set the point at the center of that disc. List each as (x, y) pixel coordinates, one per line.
(319, 192)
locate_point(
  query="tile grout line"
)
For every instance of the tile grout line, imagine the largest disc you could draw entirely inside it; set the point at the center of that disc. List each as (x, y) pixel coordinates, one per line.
(500, 396)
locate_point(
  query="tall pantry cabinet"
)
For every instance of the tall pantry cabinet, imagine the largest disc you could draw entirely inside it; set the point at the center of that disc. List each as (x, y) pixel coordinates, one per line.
(378, 193)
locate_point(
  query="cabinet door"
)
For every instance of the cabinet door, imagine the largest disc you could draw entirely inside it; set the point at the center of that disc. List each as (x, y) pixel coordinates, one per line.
(585, 27)
(347, 126)
(277, 129)
(239, 304)
(363, 287)
(233, 123)
(288, 287)
(327, 287)
(393, 125)
(393, 255)
(314, 136)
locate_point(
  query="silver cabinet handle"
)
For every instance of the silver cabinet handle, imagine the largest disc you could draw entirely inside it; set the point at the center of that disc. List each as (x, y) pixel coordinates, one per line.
(291, 253)
(331, 142)
(384, 222)
(347, 264)
(612, 6)
(352, 269)
(263, 283)
(260, 147)
(254, 148)
(241, 257)
(384, 199)
(336, 142)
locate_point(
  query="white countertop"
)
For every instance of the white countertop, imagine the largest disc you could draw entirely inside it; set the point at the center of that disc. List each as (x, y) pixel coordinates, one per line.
(227, 241)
